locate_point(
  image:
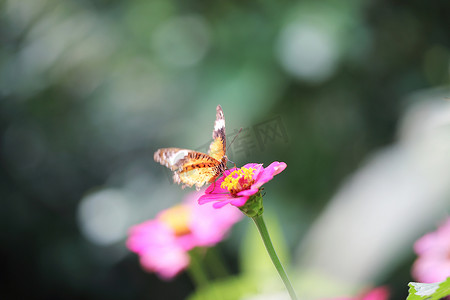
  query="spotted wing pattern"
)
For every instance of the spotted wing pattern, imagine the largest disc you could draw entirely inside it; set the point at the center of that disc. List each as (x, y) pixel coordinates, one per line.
(190, 167)
(195, 168)
(217, 148)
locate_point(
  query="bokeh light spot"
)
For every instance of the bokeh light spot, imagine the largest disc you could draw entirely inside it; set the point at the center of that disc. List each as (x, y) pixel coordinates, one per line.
(307, 51)
(103, 216)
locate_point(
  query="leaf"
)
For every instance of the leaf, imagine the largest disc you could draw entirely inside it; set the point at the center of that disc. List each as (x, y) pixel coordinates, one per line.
(429, 291)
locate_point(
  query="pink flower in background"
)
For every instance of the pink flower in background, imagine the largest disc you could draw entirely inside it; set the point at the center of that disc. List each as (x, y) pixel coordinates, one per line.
(237, 185)
(162, 243)
(379, 293)
(433, 250)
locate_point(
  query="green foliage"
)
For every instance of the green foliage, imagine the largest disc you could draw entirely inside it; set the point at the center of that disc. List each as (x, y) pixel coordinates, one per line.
(429, 291)
(233, 288)
(258, 271)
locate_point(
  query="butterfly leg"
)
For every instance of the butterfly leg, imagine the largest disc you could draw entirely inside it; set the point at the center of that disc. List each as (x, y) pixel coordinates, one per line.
(214, 183)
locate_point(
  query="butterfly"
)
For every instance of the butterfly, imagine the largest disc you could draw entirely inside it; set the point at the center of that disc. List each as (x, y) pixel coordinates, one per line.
(196, 168)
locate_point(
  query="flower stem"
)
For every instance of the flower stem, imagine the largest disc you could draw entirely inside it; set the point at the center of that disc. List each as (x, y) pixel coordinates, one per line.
(215, 261)
(196, 270)
(259, 222)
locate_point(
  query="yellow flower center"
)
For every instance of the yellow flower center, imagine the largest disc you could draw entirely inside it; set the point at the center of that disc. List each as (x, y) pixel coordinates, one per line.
(238, 180)
(177, 218)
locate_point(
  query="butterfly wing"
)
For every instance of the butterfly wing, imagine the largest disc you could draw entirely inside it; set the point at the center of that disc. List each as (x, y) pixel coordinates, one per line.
(196, 175)
(196, 168)
(190, 167)
(173, 158)
(217, 148)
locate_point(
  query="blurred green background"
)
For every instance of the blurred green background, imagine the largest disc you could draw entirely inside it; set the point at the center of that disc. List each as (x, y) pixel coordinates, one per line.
(89, 89)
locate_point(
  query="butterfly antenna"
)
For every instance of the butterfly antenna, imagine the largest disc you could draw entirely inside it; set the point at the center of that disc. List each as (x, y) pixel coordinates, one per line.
(229, 145)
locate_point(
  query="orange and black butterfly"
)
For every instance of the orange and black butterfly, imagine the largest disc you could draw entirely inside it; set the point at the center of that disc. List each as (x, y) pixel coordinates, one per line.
(195, 168)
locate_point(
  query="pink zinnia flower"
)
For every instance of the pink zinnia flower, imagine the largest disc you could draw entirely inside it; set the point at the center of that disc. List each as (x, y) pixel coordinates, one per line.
(162, 243)
(380, 293)
(237, 185)
(433, 249)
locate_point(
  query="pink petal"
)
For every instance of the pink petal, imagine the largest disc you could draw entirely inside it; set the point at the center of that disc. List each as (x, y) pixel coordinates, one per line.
(268, 173)
(425, 243)
(164, 253)
(222, 201)
(213, 197)
(431, 269)
(218, 190)
(221, 204)
(278, 167)
(158, 248)
(186, 241)
(249, 192)
(380, 293)
(167, 262)
(239, 201)
(139, 240)
(235, 201)
(433, 262)
(209, 225)
(253, 165)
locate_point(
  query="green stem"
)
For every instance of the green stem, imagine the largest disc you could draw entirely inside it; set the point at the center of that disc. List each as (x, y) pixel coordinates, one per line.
(196, 271)
(259, 222)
